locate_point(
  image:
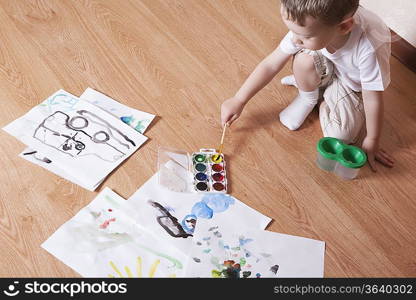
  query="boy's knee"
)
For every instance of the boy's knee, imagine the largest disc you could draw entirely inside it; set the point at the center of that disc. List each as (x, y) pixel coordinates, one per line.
(305, 71)
(340, 133)
(303, 62)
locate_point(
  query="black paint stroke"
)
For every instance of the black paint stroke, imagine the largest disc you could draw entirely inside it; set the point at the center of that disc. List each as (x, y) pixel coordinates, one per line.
(169, 222)
(274, 269)
(81, 112)
(45, 159)
(71, 141)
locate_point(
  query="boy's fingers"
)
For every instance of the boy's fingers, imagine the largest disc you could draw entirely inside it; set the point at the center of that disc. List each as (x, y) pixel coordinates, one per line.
(224, 120)
(372, 164)
(385, 160)
(386, 155)
(222, 123)
(388, 160)
(232, 119)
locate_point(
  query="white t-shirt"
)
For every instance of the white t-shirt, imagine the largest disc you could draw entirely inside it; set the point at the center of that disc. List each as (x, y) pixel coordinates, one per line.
(363, 62)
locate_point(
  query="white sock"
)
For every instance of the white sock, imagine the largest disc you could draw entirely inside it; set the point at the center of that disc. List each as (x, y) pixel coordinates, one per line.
(289, 80)
(295, 114)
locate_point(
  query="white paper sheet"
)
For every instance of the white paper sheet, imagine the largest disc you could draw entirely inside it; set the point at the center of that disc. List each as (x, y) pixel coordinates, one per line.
(82, 140)
(222, 248)
(172, 216)
(141, 121)
(135, 118)
(104, 240)
(37, 158)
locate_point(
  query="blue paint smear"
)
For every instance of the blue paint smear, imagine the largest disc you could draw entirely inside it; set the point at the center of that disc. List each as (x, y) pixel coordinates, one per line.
(127, 119)
(140, 127)
(243, 241)
(222, 245)
(201, 210)
(187, 226)
(210, 204)
(218, 202)
(65, 102)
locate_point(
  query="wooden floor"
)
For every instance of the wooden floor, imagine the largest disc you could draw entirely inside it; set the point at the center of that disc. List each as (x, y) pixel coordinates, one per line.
(180, 60)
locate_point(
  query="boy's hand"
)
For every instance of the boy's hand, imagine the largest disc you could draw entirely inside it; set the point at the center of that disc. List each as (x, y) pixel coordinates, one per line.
(370, 146)
(230, 110)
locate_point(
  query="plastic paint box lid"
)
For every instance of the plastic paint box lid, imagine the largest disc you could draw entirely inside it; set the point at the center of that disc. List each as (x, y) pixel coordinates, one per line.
(180, 171)
(349, 156)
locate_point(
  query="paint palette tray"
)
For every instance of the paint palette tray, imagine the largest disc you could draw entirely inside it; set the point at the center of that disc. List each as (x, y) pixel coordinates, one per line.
(201, 172)
(208, 168)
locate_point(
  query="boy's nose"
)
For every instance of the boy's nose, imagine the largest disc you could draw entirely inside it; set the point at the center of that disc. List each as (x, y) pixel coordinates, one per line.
(297, 41)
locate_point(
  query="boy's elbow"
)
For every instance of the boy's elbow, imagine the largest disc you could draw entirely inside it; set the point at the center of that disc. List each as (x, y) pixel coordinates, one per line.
(275, 61)
(369, 95)
(270, 66)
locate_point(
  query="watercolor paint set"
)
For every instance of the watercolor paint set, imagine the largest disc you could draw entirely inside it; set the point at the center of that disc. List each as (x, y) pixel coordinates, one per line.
(209, 173)
(203, 171)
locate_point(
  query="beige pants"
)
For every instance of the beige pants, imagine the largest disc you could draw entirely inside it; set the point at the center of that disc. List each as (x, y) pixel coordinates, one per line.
(342, 112)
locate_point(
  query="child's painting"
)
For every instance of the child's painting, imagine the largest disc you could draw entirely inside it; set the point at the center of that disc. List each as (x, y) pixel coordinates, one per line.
(37, 158)
(173, 216)
(104, 240)
(139, 120)
(228, 250)
(83, 140)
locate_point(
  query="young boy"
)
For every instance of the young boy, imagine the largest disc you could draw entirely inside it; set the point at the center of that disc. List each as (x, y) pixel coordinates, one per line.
(341, 48)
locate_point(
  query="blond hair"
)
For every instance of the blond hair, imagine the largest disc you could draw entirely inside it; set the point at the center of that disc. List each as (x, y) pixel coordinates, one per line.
(330, 12)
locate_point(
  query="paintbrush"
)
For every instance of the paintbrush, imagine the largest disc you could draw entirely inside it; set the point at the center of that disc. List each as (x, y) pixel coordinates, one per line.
(222, 138)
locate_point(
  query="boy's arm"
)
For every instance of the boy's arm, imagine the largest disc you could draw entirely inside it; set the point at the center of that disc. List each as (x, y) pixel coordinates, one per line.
(259, 78)
(262, 74)
(374, 109)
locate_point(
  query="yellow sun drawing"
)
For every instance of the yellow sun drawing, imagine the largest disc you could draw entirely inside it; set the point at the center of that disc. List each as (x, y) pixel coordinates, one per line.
(152, 270)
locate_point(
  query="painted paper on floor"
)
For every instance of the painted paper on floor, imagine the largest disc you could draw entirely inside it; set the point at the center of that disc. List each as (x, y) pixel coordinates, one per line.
(173, 216)
(37, 158)
(104, 240)
(79, 138)
(229, 250)
(139, 120)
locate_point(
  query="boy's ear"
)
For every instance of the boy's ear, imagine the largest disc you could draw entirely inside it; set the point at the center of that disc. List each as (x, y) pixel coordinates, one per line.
(346, 26)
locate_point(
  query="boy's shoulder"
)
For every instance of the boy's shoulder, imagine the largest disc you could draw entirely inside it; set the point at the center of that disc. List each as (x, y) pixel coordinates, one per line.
(372, 26)
(367, 17)
(372, 32)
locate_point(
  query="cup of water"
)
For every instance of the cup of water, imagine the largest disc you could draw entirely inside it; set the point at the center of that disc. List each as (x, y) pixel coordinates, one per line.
(340, 158)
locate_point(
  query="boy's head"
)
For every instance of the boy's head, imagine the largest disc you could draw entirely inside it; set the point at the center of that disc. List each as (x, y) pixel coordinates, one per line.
(315, 23)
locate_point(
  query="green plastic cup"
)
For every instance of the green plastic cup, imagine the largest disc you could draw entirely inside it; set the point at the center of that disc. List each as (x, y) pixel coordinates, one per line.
(340, 158)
